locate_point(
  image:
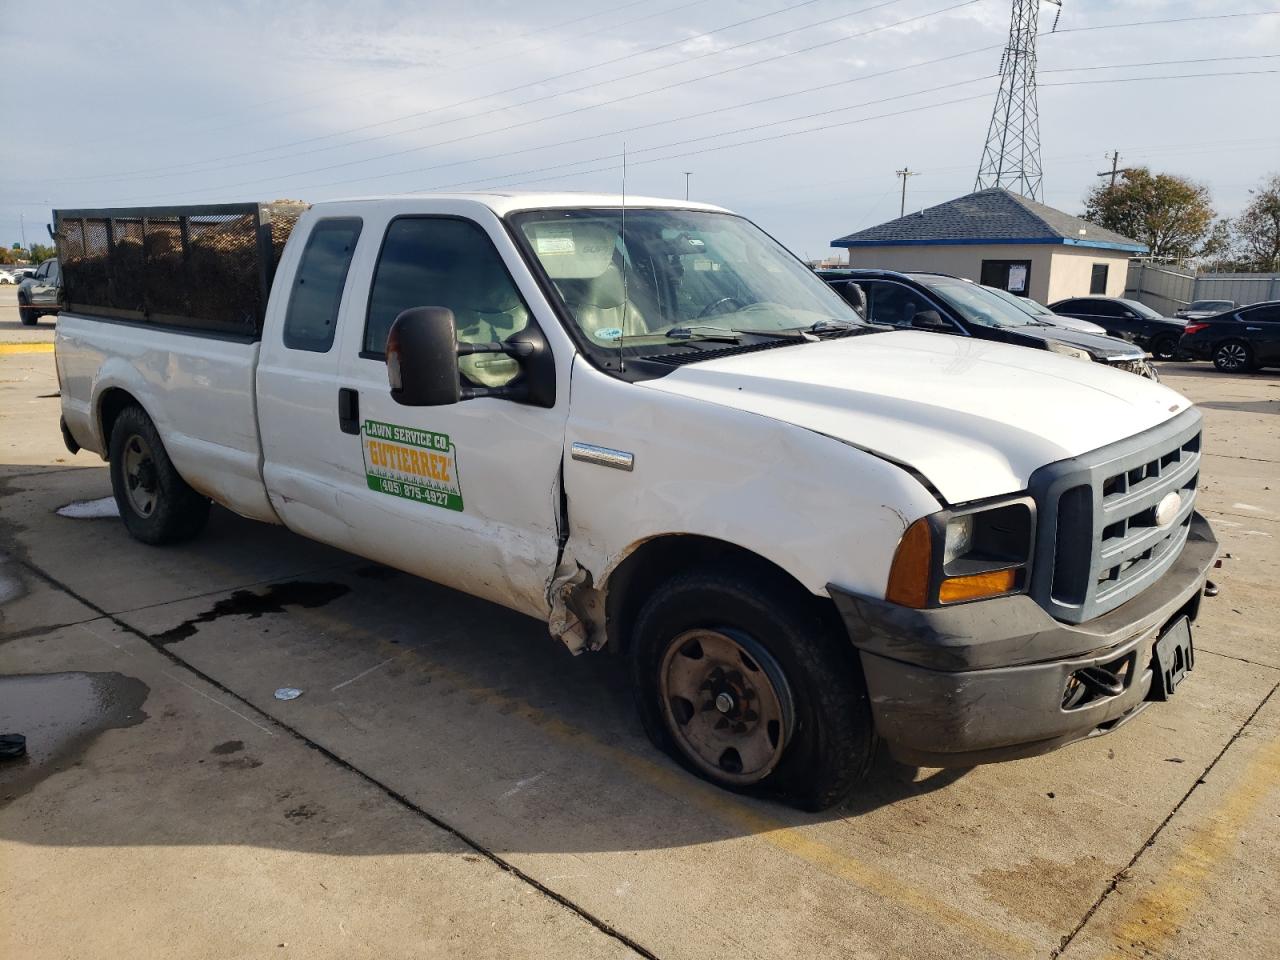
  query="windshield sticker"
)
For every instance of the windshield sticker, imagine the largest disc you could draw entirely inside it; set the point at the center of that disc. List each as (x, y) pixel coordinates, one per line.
(608, 334)
(554, 239)
(414, 464)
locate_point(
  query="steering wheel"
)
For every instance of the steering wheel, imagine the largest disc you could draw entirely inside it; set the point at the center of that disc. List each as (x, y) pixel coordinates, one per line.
(711, 308)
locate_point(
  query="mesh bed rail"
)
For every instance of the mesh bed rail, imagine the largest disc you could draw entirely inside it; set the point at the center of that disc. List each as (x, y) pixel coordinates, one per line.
(206, 267)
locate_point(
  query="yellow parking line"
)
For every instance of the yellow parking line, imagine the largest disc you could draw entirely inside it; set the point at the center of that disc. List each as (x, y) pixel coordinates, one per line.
(7, 349)
(719, 803)
(1155, 917)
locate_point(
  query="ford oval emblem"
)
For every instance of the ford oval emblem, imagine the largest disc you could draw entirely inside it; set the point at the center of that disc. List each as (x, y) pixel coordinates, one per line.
(1168, 508)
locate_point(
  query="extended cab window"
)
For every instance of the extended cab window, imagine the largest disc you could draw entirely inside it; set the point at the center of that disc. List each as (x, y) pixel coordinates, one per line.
(312, 315)
(445, 262)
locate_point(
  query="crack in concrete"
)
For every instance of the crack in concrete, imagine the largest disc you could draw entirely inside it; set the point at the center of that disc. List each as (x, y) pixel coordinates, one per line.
(505, 865)
(1120, 874)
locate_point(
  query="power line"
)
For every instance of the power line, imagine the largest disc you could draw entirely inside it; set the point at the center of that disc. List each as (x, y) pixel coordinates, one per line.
(637, 127)
(595, 106)
(439, 67)
(514, 178)
(596, 136)
(522, 86)
(1167, 76)
(664, 88)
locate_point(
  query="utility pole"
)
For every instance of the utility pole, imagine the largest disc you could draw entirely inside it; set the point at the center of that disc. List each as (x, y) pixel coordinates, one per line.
(904, 173)
(1116, 169)
(687, 175)
(22, 229)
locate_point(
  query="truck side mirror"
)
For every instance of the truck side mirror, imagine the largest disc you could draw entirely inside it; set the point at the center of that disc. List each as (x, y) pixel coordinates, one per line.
(422, 362)
(422, 358)
(929, 320)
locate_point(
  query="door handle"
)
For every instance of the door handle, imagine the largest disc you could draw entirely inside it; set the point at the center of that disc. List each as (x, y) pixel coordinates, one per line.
(348, 410)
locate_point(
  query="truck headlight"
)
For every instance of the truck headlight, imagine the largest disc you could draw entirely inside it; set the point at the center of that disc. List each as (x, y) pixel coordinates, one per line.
(1067, 351)
(964, 554)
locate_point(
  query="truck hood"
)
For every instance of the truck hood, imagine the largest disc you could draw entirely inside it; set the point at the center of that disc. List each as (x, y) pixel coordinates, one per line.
(974, 418)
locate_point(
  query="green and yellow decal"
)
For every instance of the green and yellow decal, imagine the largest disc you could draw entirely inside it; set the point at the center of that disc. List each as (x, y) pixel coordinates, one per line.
(415, 464)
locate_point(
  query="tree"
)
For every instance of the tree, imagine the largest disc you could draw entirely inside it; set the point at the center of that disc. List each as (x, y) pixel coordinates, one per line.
(1257, 229)
(1170, 214)
(41, 253)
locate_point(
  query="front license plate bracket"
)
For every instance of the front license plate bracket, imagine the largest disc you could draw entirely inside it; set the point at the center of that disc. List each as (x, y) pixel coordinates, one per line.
(1173, 658)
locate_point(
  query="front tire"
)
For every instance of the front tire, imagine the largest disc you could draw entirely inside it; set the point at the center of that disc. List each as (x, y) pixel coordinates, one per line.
(27, 314)
(749, 686)
(1233, 356)
(156, 504)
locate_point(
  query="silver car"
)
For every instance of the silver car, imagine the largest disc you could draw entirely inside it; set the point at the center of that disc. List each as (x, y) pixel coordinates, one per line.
(1040, 312)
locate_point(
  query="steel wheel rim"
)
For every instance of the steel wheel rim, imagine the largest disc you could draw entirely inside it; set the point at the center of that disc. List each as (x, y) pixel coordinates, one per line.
(1231, 356)
(141, 483)
(726, 702)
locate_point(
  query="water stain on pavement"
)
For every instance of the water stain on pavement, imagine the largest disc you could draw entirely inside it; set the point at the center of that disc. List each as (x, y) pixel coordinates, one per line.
(61, 714)
(101, 509)
(246, 603)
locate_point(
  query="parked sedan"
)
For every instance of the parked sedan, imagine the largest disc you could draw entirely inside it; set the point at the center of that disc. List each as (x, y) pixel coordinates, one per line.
(1128, 320)
(1199, 309)
(6, 277)
(1038, 311)
(1242, 340)
(944, 304)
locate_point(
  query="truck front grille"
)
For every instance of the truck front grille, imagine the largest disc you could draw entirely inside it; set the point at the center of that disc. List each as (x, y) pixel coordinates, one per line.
(1099, 542)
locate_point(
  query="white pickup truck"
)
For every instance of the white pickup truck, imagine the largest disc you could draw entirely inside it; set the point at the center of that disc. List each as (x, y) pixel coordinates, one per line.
(648, 424)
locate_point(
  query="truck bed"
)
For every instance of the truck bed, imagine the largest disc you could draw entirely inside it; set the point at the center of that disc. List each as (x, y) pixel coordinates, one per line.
(198, 389)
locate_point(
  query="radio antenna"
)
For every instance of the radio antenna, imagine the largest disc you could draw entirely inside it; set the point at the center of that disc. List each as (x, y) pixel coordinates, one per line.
(625, 298)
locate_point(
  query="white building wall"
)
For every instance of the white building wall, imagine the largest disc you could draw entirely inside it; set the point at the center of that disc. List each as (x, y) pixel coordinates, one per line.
(1073, 266)
(1056, 272)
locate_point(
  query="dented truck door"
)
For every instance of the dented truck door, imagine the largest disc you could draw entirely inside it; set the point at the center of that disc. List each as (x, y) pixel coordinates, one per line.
(467, 494)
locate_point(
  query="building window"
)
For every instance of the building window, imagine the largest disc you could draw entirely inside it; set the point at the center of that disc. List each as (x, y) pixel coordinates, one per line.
(1098, 278)
(1011, 275)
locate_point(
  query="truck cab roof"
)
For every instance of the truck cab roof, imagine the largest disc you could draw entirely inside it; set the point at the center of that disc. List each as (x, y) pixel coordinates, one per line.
(503, 202)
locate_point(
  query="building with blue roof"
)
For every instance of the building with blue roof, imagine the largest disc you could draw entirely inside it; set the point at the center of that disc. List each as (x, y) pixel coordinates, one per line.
(1004, 240)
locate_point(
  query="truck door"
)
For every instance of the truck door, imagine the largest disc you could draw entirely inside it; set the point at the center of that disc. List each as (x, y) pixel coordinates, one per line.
(303, 452)
(466, 495)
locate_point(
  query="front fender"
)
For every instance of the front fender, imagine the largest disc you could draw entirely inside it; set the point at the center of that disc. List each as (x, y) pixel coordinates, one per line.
(824, 511)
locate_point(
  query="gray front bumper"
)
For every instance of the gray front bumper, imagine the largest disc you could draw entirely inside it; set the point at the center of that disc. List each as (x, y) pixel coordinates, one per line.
(984, 681)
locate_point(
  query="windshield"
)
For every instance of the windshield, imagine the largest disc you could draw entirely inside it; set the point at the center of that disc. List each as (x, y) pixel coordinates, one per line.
(977, 304)
(1029, 307)
(676, 276)
(1141, 309)
(1210, 305)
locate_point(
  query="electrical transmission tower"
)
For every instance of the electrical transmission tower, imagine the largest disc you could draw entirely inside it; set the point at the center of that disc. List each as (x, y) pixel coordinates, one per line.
(1011, 157)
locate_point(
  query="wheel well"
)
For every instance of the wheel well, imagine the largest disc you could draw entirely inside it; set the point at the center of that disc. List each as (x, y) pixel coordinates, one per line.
(109, 408)
(661, 558)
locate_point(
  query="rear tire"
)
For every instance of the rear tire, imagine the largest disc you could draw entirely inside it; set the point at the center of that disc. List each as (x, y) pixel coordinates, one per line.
(1165, 348)
(750, 687)
(156, 504)
(1233, 356)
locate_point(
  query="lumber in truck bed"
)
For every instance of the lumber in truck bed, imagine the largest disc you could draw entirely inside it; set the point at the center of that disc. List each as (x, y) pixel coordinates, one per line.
(206, 267)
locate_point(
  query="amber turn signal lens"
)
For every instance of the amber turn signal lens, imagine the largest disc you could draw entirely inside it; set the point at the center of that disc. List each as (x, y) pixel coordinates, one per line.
(909, 574)
(955, 589)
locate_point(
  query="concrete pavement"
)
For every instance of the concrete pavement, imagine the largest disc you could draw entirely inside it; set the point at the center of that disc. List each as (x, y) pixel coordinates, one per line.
(451, 782)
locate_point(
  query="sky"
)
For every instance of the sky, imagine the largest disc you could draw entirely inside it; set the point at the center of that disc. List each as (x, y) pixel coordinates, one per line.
(796, 114)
